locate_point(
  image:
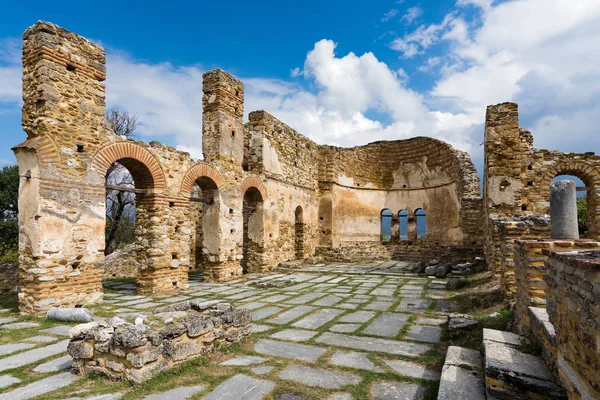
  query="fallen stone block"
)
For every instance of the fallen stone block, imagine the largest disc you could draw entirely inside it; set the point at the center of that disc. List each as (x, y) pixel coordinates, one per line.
(70, 314)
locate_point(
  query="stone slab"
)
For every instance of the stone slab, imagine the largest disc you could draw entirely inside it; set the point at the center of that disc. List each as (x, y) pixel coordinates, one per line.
(378, 305)
(40, 387)
(328, 300)
(256, 328)
(31, 356)
(295, 335)
(180, 393)
(427, 334)
(20, 325)
(6, 320)
(386, 325)
(373, 344)
(289, 350)
(60, 330)
(14, 347)
(318, 377)
(413, 370)
(431, 321)
(358, 316)
(40, 339)
(416, 306)
(246, 360)
(397, 391)
(344, 328)
(507, 338)
(354, 359)
(55, 365)
(7, 380)
(262, 370)
(318, 318)
(305, 298)
(291, 314)
(458, 356)
(460, 383)
(241, 387)
(265, 312)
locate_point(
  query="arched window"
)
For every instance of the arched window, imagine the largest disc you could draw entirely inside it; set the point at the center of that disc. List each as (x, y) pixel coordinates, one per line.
(403, 224)
(421, 217)
(386, 225)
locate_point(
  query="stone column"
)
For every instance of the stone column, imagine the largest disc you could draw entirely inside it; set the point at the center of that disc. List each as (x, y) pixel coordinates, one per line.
(563, 210)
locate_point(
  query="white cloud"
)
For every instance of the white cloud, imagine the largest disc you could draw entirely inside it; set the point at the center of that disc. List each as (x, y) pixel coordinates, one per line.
(412, 14)
(538, 53)
(10, 73)
(389, 15)
(421, 38)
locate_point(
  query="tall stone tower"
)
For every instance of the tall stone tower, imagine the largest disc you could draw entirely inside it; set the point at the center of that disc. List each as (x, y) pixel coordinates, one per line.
(504, 154)
(223, 148)
(222, 126)
(61, 215)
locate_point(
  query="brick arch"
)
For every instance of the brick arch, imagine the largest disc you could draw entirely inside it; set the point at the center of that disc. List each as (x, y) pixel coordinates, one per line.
(589, 174)
(143, 166)
(198, 171)
(45, 148)
(253, 181)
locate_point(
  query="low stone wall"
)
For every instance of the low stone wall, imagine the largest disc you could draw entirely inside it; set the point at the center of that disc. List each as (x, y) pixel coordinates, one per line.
(573, 304)
(9, 278)
(170, 335)
(500, 245)
(530, 269)
(400, 251)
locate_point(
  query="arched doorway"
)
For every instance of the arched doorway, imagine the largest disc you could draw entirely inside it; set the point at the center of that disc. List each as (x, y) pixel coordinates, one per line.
(299, 230)
(253, 242)
(204, 214)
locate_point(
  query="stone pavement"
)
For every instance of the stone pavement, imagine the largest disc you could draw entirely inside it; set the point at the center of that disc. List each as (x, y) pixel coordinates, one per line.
(335, 332)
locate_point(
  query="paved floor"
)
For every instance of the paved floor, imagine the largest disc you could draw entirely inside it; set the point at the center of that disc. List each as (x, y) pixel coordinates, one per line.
(371, 331)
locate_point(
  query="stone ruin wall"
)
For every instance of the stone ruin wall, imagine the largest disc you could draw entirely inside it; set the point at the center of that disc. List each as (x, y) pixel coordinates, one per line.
(308, 199)
(357, 184)
(573, 286)
(516, 192)
(288, 162)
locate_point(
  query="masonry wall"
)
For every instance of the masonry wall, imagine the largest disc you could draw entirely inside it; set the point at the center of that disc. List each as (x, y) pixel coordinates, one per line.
(530, 258)
(573, 285)
(305, 196)
(357, 184)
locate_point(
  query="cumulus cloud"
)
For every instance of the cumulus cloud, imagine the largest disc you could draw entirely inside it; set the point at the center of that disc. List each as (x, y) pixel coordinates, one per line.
(537, 53)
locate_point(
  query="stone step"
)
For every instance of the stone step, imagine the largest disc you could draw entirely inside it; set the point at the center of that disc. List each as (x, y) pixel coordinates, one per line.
(512, 374)
(462, 375)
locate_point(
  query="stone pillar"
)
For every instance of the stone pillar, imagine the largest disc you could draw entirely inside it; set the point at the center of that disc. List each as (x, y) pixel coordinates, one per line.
(563, 210)
(61, 210)
(223, 148)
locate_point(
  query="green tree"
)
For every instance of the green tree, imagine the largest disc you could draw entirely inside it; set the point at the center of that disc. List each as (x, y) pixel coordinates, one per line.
(9, 211)
(582, 214)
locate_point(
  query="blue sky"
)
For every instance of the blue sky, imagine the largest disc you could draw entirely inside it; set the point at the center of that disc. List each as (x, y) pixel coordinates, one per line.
(340, 72)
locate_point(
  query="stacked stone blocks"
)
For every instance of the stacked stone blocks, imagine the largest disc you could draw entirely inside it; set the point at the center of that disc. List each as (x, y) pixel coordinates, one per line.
(180, 332)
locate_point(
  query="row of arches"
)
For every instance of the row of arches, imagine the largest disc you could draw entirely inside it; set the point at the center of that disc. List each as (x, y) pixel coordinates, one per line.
(404, 227)
(203, 186)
